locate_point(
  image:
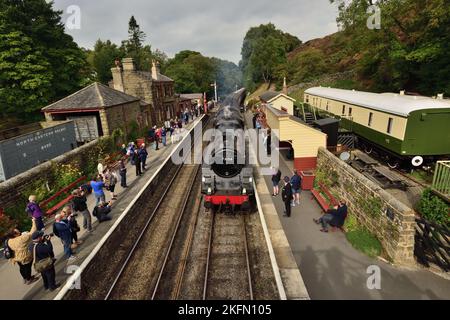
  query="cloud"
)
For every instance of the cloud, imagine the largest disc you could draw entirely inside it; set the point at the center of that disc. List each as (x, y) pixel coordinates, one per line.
(215, 28)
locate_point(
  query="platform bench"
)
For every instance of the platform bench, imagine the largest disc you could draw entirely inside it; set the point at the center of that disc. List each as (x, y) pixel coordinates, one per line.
(324, 204)
(66, 190)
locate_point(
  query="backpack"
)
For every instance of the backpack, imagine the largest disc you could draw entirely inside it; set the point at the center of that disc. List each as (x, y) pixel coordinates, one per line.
(7, 252)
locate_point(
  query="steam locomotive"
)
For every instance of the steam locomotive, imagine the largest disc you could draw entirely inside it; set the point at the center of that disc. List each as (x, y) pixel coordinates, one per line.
(227, 178)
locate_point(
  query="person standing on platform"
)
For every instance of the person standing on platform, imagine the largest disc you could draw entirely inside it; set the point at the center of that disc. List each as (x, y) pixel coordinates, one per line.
(143, 154)
(34, 211)
(18, 243)
(296, 182)
(70, 217)
(137, 164)
(61, 228)
(110, 182)
(286, 194)
(123, 174)
(156, 139)
(97, 188)
(164, 136)
(41, 249)
(276, 177)
(80, 207)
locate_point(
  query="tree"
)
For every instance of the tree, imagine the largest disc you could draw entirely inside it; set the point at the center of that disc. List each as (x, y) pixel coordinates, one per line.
(40, 63)
(260, 63)
(134, 48)
(191, 72)
(410, 51)
(102, 59)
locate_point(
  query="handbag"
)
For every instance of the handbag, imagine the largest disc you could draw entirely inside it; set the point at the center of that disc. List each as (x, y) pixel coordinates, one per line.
(43, 264)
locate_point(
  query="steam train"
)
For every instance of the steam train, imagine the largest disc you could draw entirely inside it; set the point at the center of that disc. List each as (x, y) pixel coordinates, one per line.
(227, 178)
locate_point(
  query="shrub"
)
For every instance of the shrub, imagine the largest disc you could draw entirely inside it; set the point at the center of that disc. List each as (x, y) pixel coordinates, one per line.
(133, 133)
(6, 224)
(19, 217)
(433, 208)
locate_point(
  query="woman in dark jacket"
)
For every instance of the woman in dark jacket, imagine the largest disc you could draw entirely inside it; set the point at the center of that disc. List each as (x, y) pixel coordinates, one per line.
(276, 177)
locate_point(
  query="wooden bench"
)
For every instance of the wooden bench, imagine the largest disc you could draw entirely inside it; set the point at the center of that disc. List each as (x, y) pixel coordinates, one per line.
(66, 190)
(324, 204)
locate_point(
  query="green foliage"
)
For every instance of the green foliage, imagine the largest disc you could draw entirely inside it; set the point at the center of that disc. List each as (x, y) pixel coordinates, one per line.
(364, 241)
(39, 62)
(133, 131)
(192, 72)
(434, 209)
(307, 65)
(102, 59)
(19, 216)
(6, 225)
(351, 223)
(410, 51)
(264, 54)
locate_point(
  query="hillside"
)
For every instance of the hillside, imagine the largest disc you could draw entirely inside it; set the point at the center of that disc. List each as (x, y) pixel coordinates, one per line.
(409, 51)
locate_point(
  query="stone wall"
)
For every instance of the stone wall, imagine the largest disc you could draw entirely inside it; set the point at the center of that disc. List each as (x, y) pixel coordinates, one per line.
(392, 222)
(121, 117)
(12, 191)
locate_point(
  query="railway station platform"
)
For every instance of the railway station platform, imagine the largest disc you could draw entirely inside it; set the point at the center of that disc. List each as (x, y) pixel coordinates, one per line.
(12, 283)
(331, 268)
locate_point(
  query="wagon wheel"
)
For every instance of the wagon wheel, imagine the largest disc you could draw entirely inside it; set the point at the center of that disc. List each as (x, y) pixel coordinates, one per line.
(368, 149)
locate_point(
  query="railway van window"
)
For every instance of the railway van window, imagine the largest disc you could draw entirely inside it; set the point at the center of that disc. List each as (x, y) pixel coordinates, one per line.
(389, 128)
(343, 109)
(370, 119)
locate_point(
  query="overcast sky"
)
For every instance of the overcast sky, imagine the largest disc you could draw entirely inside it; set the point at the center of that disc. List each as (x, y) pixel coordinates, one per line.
(215, 28)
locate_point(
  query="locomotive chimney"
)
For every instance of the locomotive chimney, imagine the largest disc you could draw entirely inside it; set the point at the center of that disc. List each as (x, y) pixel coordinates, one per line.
(402, 93)
(440, 96)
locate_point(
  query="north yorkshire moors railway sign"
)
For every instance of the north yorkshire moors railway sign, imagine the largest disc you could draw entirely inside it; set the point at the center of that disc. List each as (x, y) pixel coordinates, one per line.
(22, 153)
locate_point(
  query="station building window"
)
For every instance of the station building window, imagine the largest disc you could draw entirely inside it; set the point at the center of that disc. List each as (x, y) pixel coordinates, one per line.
(389, 128)
(350, 110)
(343, 110)
(307, 99)
(370, 119)
(328, 102)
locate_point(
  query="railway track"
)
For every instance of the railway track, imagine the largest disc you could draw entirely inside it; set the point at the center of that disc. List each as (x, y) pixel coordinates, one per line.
(228, 273)
(140, 271)
(171, 274)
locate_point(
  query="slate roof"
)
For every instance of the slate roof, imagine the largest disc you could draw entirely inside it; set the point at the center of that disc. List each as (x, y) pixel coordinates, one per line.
(93, 97)
(269, 95)
(161, 77)
(386, 102)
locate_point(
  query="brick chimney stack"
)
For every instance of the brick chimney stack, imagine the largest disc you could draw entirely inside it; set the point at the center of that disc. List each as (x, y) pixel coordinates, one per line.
(155, 70)
(128, 64)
